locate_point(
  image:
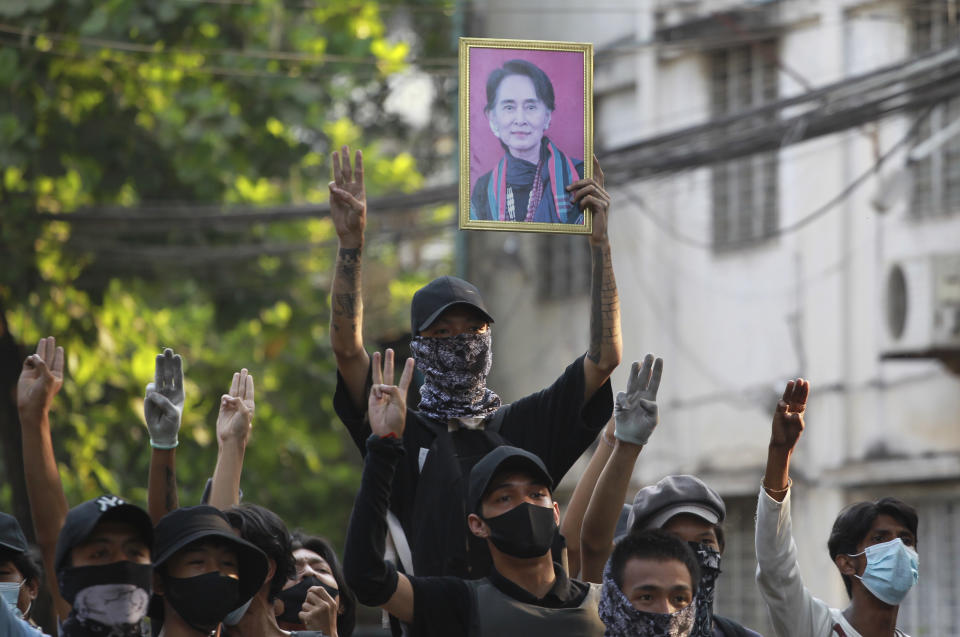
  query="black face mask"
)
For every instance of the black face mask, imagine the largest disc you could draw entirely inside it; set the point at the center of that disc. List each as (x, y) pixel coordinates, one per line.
(526, 530)
(109, 599)
(294, 597)
(204, 600)
(709, 560)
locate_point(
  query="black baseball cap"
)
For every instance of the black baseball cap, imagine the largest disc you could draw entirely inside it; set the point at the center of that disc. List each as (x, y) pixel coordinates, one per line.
(184, 526)
(433, 298)
(500, 459)
(653, 506)
(82, 518)
(11, 535)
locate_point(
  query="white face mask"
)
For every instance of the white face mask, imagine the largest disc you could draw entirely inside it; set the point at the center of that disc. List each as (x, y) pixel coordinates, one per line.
(10, 591)
(112, 604)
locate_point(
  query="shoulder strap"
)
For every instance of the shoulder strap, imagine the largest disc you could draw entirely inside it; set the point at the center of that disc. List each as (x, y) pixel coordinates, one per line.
(399, 538)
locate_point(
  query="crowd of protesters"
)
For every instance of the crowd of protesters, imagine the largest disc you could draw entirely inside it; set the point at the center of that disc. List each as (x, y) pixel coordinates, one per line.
(455, 529)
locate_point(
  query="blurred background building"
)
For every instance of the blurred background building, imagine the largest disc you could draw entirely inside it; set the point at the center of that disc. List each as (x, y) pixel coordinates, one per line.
(828, 249)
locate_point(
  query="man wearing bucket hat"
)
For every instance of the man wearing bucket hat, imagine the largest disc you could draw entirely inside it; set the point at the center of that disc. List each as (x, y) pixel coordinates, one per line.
(511, 509)
(203, 570)
(459, 418)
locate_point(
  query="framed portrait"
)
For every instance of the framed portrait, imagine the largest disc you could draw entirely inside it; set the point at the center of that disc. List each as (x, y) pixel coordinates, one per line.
(526, 133)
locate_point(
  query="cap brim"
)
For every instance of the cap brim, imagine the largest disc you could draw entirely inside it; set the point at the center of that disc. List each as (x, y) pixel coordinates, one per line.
(427, 322)
(662, 517)
(13, 547)
(516, 463)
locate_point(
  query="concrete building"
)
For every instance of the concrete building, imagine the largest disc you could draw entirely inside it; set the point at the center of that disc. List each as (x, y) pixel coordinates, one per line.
(735, 305)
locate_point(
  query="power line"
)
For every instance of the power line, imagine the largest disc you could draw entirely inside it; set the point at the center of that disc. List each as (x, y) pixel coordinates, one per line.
(837, 199)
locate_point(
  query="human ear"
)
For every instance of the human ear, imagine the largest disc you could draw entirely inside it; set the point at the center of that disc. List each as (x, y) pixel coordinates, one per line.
(477, 526)
(556, 513)
(493, 126)
(33, 588)
(847, 565)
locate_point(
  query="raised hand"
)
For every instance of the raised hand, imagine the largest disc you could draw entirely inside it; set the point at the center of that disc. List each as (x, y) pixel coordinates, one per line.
(319, 611)
(236, 409)
(589, 193)
(387, 406)
(40, 379)
(635, 411)
(163, 401)
(788, 417)
(348, 200)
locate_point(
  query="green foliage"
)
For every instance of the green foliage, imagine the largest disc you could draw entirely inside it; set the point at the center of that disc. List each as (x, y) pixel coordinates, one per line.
(125, 103)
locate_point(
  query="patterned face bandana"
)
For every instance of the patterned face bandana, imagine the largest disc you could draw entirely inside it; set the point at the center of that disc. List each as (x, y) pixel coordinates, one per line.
(623, 620)
(709, 560)
(455, 375)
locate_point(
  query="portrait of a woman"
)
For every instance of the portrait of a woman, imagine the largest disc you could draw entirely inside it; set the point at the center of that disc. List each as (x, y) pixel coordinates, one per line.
(529, 182)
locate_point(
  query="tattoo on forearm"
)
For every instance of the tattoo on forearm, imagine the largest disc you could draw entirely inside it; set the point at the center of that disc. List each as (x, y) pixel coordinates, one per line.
(346, 296)
(604, 305)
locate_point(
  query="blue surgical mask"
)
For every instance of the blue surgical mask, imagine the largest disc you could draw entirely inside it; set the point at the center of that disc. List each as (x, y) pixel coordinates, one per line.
(10, 591)
(891, 570)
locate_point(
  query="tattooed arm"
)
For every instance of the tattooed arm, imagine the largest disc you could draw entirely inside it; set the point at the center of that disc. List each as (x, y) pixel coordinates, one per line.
(605, 342)
(348, 208)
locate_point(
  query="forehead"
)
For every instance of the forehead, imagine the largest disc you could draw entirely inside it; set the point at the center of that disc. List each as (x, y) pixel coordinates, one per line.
(889, 524)
(652, 573)
(516, 87)
(306, 555)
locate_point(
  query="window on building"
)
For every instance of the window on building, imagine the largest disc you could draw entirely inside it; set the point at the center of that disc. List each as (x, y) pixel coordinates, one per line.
(745, 192)
(936, 180)
(933, 606)
(737, 596)
(563, 266)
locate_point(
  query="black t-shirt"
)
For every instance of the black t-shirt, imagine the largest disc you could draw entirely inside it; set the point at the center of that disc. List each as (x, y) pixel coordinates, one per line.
(447, 605)
(429, 489)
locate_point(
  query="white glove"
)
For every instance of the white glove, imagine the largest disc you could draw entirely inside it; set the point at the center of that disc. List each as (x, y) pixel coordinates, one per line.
(163, 402)
(635, 414)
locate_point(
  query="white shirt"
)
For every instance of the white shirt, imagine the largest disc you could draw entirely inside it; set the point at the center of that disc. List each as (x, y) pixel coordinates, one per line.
(793, 610)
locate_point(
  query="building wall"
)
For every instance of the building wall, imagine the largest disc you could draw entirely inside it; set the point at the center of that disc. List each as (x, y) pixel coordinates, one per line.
(733, 325)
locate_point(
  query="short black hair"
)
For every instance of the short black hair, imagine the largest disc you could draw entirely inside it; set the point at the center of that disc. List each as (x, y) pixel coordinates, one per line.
(653, 544)
(265, 530)
(346, 598)
(28, 563)
(541, 82)
(854, 522)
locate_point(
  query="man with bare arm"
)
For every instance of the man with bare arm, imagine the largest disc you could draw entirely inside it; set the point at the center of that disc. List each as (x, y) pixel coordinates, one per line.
(459, 418)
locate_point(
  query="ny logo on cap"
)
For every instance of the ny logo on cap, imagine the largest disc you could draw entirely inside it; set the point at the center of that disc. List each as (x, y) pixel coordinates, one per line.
(108, 502)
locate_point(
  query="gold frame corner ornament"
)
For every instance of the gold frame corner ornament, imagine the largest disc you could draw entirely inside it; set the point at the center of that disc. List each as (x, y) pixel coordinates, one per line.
(465, 45)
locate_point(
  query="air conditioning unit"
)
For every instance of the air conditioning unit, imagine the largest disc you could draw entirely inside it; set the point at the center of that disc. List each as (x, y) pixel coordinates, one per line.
(922, 307)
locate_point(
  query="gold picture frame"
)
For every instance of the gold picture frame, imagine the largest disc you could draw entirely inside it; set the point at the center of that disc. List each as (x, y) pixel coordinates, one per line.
(493, 60)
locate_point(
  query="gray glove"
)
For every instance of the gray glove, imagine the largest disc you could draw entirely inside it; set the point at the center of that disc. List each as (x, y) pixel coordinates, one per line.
(635, 413)
(163, 403)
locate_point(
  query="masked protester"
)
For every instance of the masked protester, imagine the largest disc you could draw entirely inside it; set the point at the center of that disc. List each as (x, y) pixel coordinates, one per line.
(103, 568)
(689, 509)
(317, 587)
(510, 508)
(872, 544)
(460, 418)
(649, 585)
(20, 576)
(203, 570)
